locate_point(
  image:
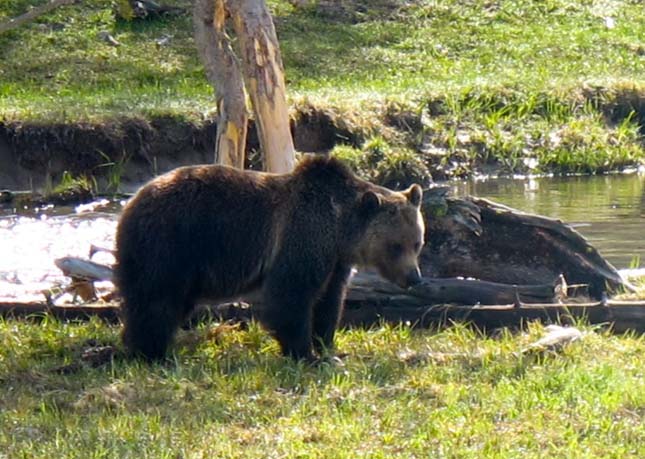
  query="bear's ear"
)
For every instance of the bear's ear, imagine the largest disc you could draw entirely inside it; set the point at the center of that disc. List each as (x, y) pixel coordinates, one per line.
(370, 203)
(414, 195)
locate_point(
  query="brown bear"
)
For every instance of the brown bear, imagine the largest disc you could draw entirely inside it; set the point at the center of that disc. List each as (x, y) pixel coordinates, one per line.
(214, 232)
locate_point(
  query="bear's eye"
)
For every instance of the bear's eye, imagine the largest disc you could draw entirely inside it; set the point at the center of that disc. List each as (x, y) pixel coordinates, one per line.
(395, 249)
(417, 246)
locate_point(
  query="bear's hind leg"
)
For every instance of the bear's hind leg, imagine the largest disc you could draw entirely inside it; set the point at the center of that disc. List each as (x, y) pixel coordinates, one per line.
(149, 330)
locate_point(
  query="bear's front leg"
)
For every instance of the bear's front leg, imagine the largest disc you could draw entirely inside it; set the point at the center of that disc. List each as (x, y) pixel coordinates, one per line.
(291, 288)
(328, 309)
(287, 315)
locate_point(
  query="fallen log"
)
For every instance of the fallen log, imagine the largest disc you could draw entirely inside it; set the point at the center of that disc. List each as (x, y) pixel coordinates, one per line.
(11, 308)
(475, 237)
(372, 300)
(620, 316)
(370, 288)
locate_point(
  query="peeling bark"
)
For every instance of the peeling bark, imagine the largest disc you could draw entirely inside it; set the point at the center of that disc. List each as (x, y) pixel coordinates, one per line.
(264, 78)
(222, 71)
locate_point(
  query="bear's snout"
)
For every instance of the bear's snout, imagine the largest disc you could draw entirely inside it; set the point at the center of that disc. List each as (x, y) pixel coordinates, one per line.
(413, 277)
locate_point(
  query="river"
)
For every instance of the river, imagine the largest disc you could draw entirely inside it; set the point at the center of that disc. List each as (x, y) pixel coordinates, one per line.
(609, 210)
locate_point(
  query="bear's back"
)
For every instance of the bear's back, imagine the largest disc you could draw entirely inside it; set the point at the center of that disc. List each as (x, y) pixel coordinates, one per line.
(196, 224)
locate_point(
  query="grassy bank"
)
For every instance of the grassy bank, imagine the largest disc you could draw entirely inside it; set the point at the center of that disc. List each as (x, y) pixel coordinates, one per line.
(401, 393)
(446, 87)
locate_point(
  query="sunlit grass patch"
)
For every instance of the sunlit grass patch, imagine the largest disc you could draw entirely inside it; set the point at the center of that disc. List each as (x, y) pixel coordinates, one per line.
(399, 393)
(332, 51)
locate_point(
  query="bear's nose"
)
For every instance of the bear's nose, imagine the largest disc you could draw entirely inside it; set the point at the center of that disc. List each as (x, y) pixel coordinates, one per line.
(413, 277)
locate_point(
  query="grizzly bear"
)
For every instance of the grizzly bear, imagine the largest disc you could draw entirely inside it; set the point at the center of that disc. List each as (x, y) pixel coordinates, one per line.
(214, 232)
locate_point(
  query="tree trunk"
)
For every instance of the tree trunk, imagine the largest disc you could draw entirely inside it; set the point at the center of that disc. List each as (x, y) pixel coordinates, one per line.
(264, 77)
(222, 71)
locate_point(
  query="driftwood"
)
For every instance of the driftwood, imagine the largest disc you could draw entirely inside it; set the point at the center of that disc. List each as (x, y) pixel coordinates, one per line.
(39, 309)
(621, 316)
(85, 269)
(371, 289)
(556, 338)
(368, 288)
(474, 237)
(370, 301)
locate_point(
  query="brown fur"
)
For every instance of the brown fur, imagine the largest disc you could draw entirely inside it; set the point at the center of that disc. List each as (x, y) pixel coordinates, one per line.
(218, 233)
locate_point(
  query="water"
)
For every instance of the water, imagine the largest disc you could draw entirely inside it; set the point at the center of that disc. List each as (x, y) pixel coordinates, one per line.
(608, 210)
(31, 240)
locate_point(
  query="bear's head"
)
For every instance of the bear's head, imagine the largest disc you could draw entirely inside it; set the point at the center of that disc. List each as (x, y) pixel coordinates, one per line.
(394, 235)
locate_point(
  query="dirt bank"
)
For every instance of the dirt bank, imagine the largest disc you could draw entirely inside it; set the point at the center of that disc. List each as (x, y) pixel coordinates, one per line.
(125, 153)
(594, 130)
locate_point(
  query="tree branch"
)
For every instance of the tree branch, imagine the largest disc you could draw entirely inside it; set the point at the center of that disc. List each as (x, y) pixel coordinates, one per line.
(32, 14)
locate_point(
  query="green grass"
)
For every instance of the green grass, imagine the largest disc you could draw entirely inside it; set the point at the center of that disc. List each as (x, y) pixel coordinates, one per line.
(401, 393)
(411, 51)
(525, 86)
(58, 68)
(638, 283)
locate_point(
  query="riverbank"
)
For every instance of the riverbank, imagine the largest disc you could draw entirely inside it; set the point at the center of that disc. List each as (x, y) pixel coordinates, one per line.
(506, 132)
(403, 90)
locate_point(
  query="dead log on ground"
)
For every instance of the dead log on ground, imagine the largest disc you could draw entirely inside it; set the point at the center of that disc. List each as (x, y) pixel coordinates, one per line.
(371, 301)
(370, 288)
(621, 316)
(40, 309)
(474, 237)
